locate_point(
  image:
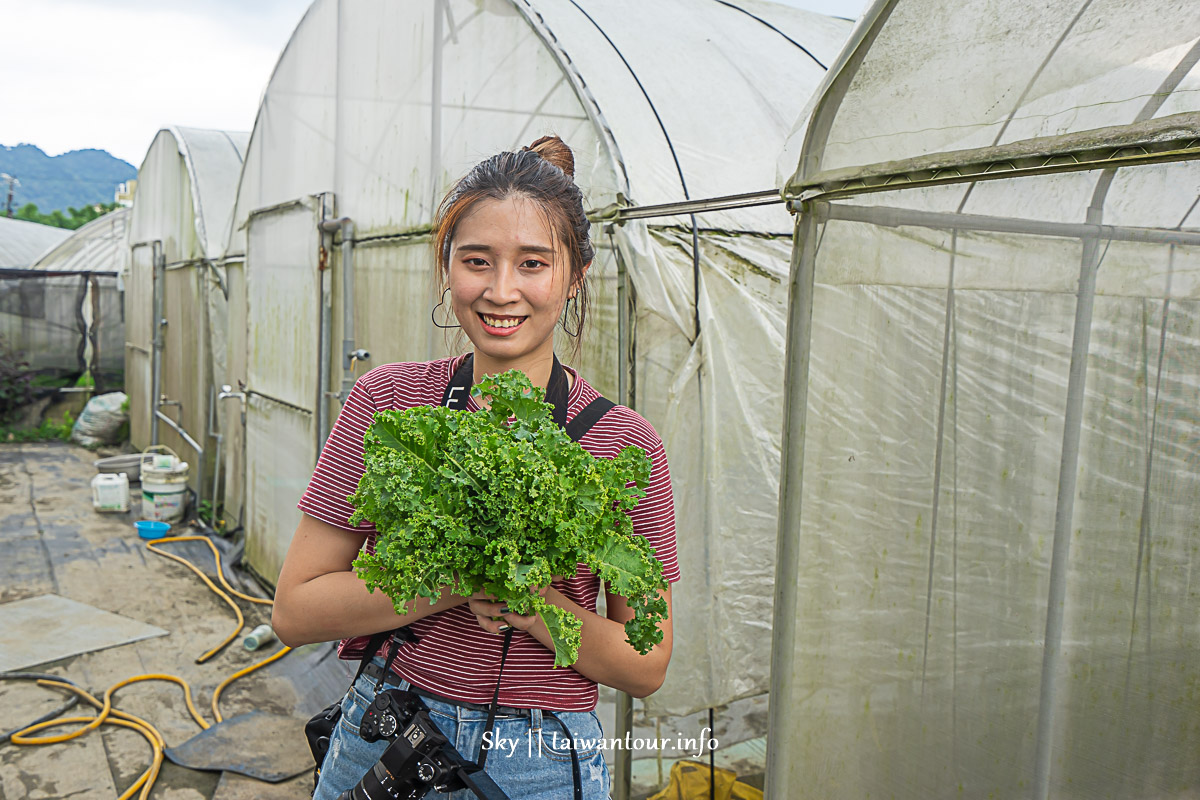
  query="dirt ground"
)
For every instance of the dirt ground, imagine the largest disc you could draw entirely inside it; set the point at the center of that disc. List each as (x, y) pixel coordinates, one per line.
(53, 542)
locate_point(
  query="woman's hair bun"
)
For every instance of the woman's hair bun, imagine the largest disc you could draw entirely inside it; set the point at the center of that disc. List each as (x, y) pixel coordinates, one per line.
(555, 150)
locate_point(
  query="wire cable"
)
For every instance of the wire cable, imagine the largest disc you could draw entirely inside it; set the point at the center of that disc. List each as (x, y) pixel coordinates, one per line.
(806, 51)
(678, 168)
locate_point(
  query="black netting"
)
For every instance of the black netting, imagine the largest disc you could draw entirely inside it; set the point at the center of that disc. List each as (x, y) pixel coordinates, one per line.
(65, 324)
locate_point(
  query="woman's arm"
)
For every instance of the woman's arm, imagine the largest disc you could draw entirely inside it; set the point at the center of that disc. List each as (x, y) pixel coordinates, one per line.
(604, 655)
(319, 598)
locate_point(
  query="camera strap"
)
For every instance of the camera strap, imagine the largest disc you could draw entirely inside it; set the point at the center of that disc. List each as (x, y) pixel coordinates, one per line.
(576, 776)
(491, 719)
(387, 664)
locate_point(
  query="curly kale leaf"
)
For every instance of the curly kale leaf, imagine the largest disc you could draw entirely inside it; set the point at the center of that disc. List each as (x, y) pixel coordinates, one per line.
(502, 501)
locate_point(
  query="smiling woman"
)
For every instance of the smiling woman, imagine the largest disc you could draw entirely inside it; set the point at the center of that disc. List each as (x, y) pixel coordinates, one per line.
(512, 251)
(512, 235)
(507, 285)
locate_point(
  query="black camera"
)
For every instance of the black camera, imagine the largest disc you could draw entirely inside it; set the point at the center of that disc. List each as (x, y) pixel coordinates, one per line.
(419, 758)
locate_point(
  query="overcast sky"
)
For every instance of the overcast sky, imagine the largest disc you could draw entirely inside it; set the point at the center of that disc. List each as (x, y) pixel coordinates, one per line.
(110, 73)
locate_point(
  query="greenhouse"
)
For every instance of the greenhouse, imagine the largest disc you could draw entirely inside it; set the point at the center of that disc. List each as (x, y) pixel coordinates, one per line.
(914, 303)
(22, 242)
(175, 306)
(63, 313)
(988, 543)
(374, 110)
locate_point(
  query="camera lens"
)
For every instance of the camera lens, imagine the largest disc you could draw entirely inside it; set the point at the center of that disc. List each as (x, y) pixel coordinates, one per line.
(377, 784)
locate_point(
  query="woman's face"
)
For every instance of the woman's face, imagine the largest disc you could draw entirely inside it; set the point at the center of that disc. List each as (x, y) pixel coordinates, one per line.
(508, 279)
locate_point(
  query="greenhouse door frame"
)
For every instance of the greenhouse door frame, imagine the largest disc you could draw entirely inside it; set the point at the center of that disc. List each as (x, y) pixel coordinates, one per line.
(286, 299)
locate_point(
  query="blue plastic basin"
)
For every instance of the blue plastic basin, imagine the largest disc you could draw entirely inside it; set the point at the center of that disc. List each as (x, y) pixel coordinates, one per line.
(151, 529)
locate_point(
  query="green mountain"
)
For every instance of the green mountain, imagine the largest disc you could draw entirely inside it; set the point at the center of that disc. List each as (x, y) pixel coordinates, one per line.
(75, 179)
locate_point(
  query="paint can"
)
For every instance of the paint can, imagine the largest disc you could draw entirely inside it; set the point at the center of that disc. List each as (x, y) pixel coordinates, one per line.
(164, 487)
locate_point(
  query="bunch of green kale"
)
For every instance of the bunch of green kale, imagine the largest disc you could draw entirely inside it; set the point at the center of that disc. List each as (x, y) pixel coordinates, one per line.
(502, 500)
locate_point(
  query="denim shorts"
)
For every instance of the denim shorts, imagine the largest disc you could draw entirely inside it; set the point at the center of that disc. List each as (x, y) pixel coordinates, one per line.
(530, 758)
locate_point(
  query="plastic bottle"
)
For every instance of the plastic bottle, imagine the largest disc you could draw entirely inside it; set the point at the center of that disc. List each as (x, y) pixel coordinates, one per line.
(258, 637)
(110, 493)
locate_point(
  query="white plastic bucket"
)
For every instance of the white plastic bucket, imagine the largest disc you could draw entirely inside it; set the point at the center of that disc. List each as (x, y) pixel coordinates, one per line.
(110, 493)
(164, 487)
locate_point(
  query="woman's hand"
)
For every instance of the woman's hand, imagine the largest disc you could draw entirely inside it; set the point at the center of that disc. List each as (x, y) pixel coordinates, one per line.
(604, 654)
(494, 617)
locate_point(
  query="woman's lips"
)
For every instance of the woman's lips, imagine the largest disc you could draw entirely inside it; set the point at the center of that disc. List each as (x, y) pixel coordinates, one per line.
(501, 325)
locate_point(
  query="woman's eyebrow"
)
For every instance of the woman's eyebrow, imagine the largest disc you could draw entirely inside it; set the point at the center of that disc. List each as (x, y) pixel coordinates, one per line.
(525, 248)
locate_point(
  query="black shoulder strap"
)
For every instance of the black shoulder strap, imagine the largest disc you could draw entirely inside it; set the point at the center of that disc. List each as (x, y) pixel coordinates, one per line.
(588, 416)
(557, 393)
(458, 390)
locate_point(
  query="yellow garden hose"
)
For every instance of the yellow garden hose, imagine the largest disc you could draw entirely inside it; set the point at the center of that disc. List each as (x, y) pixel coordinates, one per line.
(112, 716)
(146, 781)
(221, 686)
(241, 621)
(216, 556)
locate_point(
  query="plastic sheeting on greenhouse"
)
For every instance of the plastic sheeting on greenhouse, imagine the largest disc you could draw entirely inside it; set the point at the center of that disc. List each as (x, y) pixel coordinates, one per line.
(991, 477)
(22, 242)
(375, 108)
(181, 212)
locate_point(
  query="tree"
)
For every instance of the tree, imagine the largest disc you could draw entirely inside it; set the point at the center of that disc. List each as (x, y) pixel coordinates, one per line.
(74, 218)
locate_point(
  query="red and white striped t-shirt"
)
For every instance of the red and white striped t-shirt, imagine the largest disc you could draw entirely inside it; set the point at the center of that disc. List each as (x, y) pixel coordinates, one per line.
(453, 656)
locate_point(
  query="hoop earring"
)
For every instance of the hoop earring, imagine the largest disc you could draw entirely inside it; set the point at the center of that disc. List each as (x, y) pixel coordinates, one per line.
(433, 313)
(567, 314)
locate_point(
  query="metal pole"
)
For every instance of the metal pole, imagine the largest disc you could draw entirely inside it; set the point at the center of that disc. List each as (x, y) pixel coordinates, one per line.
(215, 434)
(623, 760)
(200, 278)
(787, 549)
(435, 104)
(349, 355)
(938, 220)
(692, 207)
(435, 150)
(183, 434)
(623, 338)
(1068, 472)
(712, 760)
(324, 335)
(156, 326)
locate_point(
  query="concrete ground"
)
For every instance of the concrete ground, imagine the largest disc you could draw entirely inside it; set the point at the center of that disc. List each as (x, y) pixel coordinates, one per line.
(52, 541)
